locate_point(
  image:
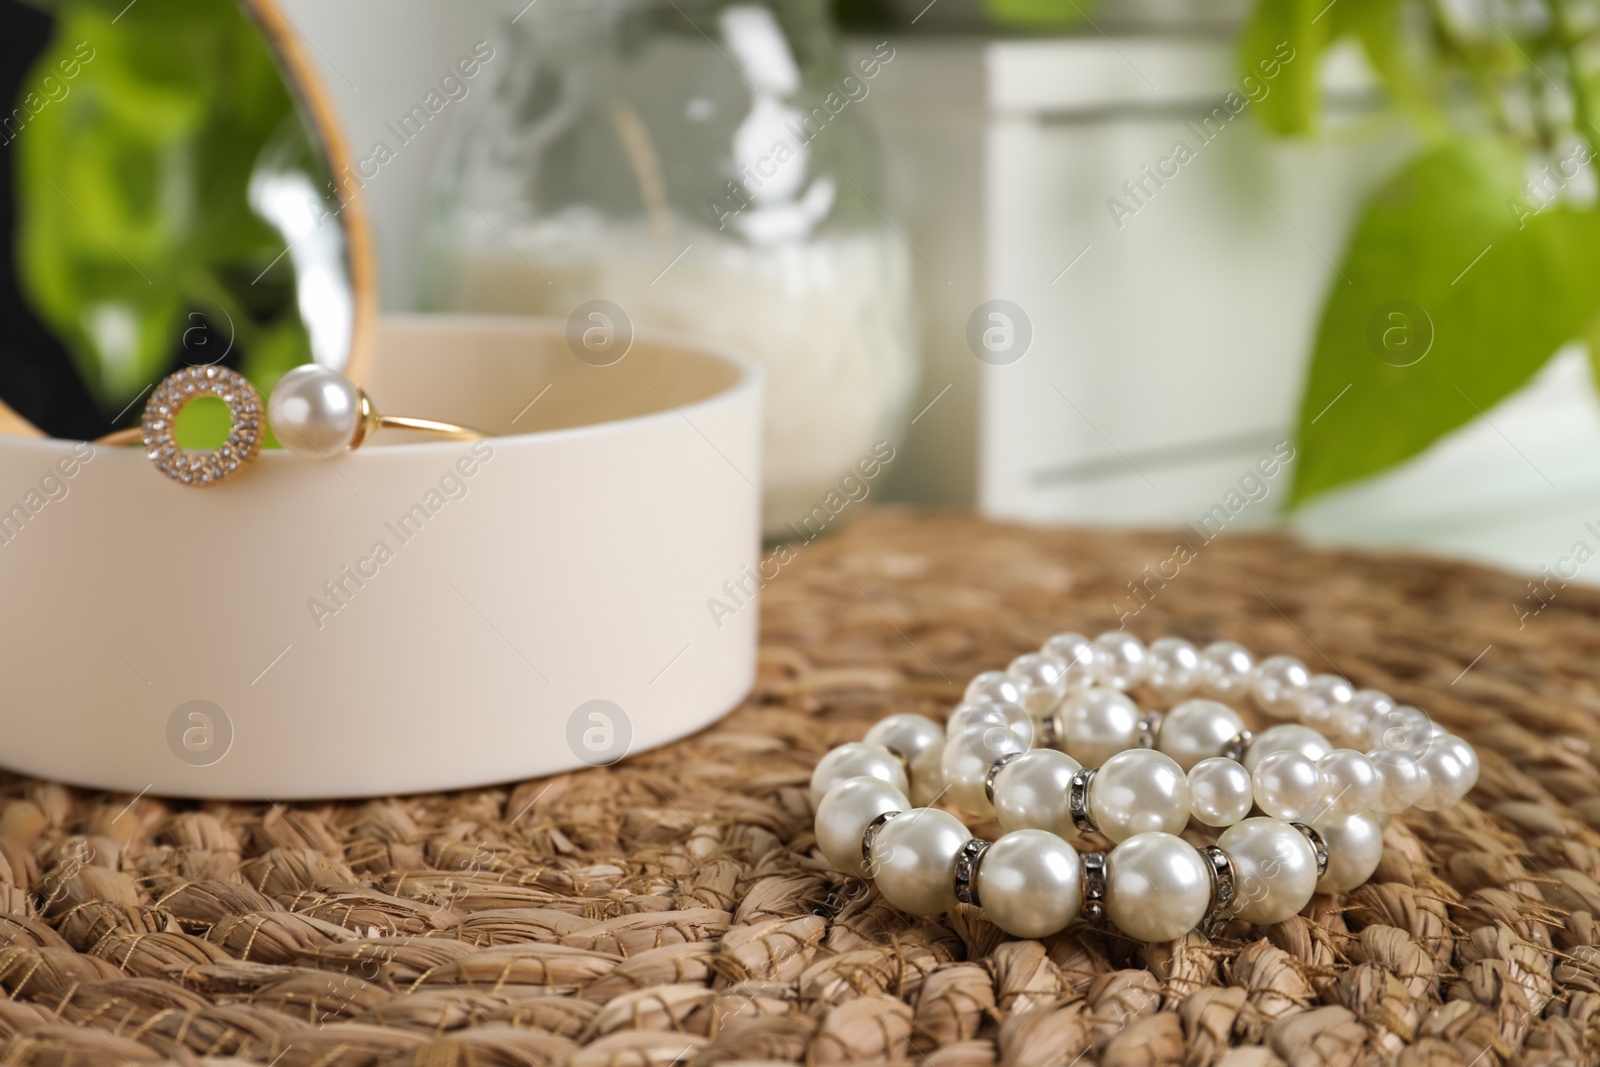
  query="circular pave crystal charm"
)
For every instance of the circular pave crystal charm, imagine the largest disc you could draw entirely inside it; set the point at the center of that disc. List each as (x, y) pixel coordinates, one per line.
(193, 466)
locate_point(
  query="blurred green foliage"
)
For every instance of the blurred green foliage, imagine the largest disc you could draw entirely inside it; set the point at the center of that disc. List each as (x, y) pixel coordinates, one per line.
(1470, 267)
(1037, 14)
(144, 124)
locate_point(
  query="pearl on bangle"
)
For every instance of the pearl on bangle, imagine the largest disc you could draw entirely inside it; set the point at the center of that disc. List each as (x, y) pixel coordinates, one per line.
(853, 760)
(919, 742)
(968, 758)
(844, 815)
(1120, 660)
(1220, 791)
(1277, 680)
(1174, 666)
(1001, 713)
(1030, 883)
(1227, 670)
(1404, 782)
(1043, 678)
(1287, 737)
(1452, 769)
(1350, 722)
(1275, 869)
(1077, 652)
(927, 777)
(1158, 887)
(907, 735)
(1139, 791)
(914, 857)
(315, 411)
(1287, 785)
(1351, 783)
(1402, 728)
(1096, 724)
(1030, 792)
(993, 685)
(1198, 729)
(1319, 702)
(1355, 846)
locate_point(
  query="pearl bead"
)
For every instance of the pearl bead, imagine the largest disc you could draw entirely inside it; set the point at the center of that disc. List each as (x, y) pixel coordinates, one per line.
(1227, 670)
(1355, 845)
(968, 757)
(1452, 769)
(1220, 791)
(1158, 887)
(1277, 680)
(1350, 721)
(1043, 678)
(1404, 782)
(1197, 730)
(999, 713)
(1120, 660)
(856, 760)
(314, 410)
(1287, 785)
(1370, 702)
(993, 685)
(906, 735)
(1274, 870)
(1030, 883)
(927, 777)
(1291, 737)
(1322, 698)
(1351, 783)
(919, 741)
(1077, 652)
(1139, 791)
(914, 860)
(1174, 666)
(844, 815)
(1096, 724)
(1402, 728)
(1030, 792)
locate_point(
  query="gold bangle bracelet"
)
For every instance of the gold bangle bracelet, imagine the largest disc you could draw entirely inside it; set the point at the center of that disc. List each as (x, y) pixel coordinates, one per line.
(313, 411)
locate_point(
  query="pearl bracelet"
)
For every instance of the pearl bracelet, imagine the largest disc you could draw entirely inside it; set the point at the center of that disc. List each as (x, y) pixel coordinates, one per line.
(1053, 747)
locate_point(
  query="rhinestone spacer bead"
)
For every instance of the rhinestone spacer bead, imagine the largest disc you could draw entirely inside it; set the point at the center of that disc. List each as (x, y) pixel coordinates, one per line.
(1094, 887)
(1238, 745)
(988, 779)
(966, 876)
(870, 834)
(1049, 735)
(1078, 800)
(193, 466)
(1318, 845)
(1149, 729)
(1222, 882)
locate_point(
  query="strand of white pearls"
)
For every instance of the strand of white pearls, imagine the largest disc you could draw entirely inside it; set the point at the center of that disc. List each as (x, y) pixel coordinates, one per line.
(1053, 747)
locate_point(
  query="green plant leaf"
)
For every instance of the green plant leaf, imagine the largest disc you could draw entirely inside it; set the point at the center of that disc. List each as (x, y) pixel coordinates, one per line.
(1287, 35)
(1379, 27)
(132, 178)
(1591, 341)
(1445, 269)
(1038, 14)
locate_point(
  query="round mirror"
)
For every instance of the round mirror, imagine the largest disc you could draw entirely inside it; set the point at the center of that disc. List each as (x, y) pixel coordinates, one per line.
(169, 197)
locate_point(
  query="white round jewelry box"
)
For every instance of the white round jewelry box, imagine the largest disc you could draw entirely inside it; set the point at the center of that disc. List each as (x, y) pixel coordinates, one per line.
(414, 615)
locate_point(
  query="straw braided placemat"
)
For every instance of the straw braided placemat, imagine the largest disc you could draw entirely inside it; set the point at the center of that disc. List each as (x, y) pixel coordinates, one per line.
(673, 907)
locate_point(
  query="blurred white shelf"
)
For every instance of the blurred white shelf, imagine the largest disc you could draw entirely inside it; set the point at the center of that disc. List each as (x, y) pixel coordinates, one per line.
(1168, 352)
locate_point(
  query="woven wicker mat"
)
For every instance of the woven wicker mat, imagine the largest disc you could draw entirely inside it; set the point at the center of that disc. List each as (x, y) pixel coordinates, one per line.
(673, 908)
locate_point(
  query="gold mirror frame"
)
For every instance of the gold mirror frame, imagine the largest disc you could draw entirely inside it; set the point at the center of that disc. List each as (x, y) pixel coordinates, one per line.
(306, 84)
